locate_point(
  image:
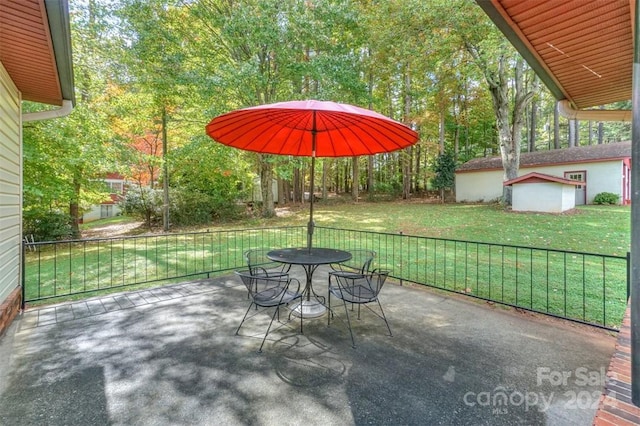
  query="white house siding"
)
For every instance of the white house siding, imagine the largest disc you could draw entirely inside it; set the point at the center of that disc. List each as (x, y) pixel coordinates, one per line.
(486, 185)
(568, 197)
(96, 212)
(481, 186)
(604, 176)
(10, 185)
(550, 197)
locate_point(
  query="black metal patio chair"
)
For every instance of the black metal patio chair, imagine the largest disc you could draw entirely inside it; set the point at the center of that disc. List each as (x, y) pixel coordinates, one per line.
(269, 292)
(358, 289)
(360, 263)
(259, 264)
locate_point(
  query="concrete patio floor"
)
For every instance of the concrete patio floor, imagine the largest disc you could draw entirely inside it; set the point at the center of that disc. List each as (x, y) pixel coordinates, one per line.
(169, 356)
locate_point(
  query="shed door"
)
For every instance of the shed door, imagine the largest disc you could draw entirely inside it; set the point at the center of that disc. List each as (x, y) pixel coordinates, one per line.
(581, 190)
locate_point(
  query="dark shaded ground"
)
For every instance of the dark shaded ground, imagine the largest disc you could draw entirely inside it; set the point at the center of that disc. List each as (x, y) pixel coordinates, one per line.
(170, 356)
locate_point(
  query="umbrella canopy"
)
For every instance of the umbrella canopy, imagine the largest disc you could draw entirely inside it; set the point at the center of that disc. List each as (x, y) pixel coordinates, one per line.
(288, 128)
(312, 129)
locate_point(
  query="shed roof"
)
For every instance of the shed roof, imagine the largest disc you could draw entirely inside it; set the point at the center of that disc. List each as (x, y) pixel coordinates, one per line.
(579, 154)
(535, 177)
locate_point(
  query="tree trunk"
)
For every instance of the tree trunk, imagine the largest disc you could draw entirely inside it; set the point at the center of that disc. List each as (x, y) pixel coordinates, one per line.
(441, 133)
(416, 172)
(573, 133)
(282, 199)
(370, 183)
(296, 185)
(74, 208)
(165, 174)
(601, 130)
(556, 127)
(325, 168)
(533, 122)
(600, 133)
(509, 131)
(266, 185)
(355, 173)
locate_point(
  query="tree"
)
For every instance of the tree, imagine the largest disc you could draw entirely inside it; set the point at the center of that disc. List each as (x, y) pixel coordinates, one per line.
(65, 159)
(506, 75)
(444, 169)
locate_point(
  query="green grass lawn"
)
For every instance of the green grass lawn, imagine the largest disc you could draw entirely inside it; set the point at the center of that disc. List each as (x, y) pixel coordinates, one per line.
(594, 229)
(412, 239)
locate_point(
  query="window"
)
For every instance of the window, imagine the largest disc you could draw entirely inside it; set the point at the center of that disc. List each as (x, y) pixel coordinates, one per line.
(106, 210)
(115, 187)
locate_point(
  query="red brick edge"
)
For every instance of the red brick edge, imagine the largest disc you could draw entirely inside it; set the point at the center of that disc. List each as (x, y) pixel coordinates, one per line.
(9, 309)
(615, 407)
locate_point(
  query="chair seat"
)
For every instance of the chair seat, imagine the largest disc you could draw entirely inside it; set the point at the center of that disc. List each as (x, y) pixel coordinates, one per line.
(269, 298)
(356, 294)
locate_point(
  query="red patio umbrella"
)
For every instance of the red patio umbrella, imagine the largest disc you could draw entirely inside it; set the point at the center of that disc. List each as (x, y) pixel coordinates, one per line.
(312, 129)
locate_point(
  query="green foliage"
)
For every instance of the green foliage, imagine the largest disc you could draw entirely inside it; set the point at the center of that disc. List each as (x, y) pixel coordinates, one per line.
(46, 225)
(393, 188)
(143, 203)
(134, 59)
(196, 208)
(606, 198)
(208, 181)
(444, 169)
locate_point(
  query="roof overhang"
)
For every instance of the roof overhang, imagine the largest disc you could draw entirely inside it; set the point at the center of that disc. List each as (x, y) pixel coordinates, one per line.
(35, 49)
(535, 177)
(581, 50)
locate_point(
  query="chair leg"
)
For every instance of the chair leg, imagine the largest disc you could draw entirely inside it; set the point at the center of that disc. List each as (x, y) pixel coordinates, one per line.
(384, 317)
(353, 342)
(329, 307)
(245, 317)
(273, 317)
(291, 313)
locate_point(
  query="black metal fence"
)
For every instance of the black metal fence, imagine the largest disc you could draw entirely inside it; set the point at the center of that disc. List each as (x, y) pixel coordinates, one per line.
(584, 287)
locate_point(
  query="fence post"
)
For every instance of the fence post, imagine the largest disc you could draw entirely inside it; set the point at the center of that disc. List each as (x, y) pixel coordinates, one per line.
(628, 275)
(401, 274)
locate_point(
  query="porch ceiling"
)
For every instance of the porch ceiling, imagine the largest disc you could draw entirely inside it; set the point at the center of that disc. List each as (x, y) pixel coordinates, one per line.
(582, 50)
(35, 49)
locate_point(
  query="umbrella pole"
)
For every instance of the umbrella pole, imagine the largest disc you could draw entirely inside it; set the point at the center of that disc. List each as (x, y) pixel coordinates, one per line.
(311, 224)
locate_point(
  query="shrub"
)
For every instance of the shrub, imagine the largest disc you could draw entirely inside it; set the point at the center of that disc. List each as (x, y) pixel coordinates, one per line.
(46, 225)
(143, 203)
(606, 198)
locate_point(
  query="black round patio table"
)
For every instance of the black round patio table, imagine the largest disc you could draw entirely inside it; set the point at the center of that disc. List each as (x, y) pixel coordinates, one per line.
(309, 259)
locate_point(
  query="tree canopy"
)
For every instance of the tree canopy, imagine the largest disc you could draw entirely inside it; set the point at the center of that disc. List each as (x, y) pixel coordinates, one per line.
(150, 74)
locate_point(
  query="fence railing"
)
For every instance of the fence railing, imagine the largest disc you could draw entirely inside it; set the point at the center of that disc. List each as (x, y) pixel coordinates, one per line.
(584, 287)
(65, 268)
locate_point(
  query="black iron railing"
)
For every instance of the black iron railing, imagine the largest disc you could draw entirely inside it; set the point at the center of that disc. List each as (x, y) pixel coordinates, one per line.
(65, 268)
(584, 287)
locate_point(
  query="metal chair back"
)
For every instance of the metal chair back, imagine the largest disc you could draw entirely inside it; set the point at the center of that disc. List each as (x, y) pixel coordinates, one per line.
(259, 264)
(268, 292)
(360, 262)
(360, 289)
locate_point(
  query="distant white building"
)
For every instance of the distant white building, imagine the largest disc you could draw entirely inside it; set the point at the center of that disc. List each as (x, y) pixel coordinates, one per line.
(109, 207)
(537, 192)
(601, 168)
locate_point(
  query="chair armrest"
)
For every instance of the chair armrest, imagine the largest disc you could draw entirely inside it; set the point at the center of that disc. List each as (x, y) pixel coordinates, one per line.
(297, 284)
